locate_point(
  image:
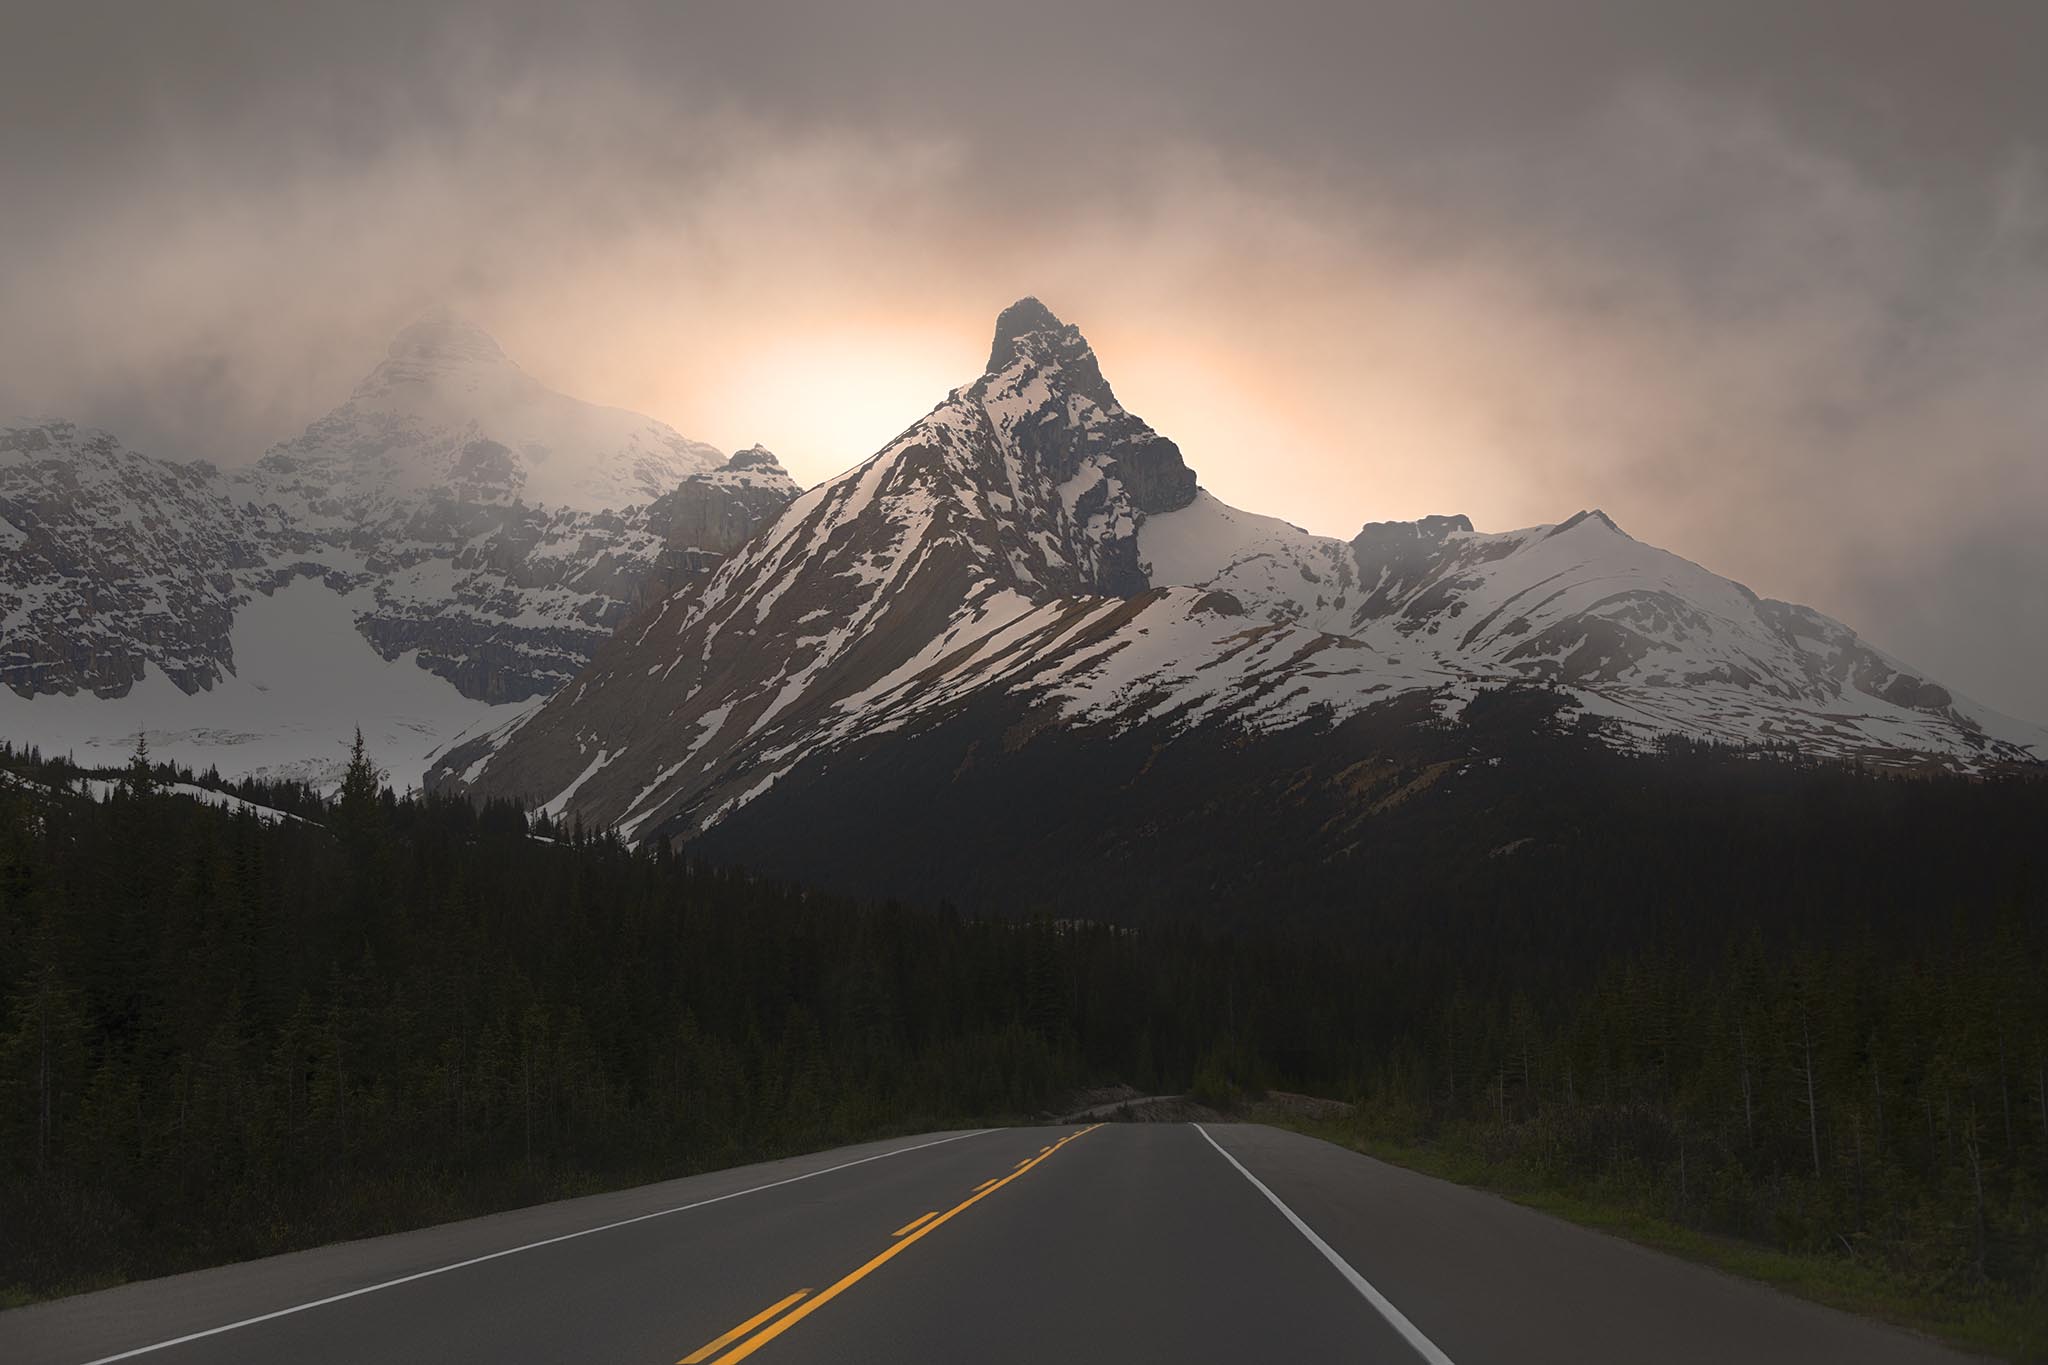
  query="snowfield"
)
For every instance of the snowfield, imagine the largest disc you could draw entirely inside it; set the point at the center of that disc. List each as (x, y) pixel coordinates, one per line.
(303, 681)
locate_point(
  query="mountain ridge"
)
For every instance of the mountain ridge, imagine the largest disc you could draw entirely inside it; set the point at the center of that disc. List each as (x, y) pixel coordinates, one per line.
(1032, 547)
(411, 501)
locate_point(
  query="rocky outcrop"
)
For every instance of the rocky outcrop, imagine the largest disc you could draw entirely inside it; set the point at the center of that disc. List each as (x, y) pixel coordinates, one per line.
(1090, 428)
(1395, 557)
(713, 514)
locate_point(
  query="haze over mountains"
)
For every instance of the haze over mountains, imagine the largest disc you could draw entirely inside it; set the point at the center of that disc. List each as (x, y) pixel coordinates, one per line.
(455, 543)
(447, 410)
(453, 539)
(1030, 560)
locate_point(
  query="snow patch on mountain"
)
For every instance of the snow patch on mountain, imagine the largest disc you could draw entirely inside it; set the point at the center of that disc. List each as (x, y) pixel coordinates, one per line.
(1647, 640)
(303, 681)
(1277, 570)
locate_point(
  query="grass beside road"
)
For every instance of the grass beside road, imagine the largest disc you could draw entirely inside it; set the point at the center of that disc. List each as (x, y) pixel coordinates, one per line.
(1990, 1323)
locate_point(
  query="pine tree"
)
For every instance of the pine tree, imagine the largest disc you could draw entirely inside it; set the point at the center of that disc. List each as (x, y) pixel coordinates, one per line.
(359, 784)
(140, 779)
(362, 824)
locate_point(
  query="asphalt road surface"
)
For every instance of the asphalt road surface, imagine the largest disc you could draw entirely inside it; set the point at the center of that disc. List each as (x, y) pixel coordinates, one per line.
(1121, 1242)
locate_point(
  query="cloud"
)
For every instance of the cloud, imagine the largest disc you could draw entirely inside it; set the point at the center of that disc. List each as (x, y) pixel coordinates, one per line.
(1359, 266)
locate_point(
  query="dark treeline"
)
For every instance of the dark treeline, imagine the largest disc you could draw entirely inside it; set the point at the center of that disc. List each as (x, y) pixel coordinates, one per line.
(1887, 1107)
(1509, 833)
(222, 1036)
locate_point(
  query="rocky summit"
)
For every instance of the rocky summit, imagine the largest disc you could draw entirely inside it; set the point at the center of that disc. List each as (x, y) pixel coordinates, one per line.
(1031, 560)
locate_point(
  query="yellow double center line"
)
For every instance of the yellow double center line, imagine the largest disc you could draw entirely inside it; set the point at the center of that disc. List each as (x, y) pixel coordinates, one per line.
(906, 1236)
(719, 1343)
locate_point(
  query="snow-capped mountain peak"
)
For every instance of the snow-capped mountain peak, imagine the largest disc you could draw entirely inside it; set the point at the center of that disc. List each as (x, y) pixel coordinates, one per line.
(477, 535)
(756, 456)
(447, 411)
(1028, 332)
(1030, 554)
(1026, 486)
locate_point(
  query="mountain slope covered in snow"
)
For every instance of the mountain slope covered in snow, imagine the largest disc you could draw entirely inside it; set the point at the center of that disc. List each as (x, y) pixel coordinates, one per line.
(1034, 555)
(476, 528)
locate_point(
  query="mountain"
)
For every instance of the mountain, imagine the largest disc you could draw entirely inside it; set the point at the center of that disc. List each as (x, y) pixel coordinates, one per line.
(463, 523)
(447, 413)
(498, 528)
(1030, 570)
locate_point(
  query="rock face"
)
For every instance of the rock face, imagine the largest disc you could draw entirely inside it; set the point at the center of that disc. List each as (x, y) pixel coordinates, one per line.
(113, 560)
(1031, 558)
(708, 516)
(494, 530)
(1059, 413)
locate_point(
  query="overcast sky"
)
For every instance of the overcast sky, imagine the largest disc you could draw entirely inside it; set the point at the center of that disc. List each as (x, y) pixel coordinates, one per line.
(1766, 281)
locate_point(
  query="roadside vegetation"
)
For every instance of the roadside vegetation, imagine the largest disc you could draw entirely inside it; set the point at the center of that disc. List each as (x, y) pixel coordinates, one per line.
(1865, 1130)
(1980, 1317)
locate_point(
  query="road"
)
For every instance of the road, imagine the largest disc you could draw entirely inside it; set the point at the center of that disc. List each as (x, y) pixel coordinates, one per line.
(1119, 1242)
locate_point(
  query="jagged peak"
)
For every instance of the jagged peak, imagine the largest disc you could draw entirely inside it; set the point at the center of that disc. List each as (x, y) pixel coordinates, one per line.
(1030, 334)
(756, 456)
(1026, 317)
(1431, 528)
(1593, 514)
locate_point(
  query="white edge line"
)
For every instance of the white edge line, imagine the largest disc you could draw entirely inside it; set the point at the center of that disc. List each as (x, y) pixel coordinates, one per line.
(530, 1246)
(1410, 1333)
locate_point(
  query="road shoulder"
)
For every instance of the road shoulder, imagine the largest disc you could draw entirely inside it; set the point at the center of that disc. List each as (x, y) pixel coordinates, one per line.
(1488, 1278)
